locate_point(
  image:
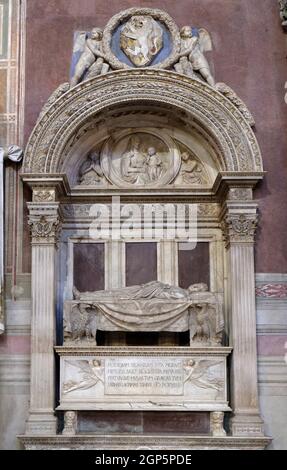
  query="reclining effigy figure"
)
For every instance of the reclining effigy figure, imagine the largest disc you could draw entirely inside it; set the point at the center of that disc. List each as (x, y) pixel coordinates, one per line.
(154, 306)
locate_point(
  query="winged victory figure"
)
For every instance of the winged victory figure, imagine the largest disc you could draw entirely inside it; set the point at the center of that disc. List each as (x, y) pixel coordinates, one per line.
(196, 370)
(91, 371)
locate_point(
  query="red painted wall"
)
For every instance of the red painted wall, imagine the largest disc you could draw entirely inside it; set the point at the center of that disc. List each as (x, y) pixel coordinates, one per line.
(249, 55)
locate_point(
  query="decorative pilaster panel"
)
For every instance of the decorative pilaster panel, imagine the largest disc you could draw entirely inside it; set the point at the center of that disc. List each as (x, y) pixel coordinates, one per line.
(168, 273)
(44, 221)
(168, 269)
(239, 227)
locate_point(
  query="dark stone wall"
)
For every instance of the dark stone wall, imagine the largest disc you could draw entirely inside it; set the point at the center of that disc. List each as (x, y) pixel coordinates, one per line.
(249, 55)
(138, 422)
(141, 263)
(193, 265)
(89, 266)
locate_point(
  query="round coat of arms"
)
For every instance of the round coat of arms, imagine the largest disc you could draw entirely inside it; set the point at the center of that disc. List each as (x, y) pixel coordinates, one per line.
(141, 37)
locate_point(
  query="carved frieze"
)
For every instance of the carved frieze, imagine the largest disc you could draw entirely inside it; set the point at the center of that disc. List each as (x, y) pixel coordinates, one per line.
(240, 194)
(44, 195)
(232, 96)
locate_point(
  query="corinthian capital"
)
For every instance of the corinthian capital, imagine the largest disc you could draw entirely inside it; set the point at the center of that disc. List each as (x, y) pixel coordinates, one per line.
(44, 222)
(44, 229)
(239, 228)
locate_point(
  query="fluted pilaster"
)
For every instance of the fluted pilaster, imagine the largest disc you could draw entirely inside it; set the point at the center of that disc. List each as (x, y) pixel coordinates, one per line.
(45, 223)
(239, 228)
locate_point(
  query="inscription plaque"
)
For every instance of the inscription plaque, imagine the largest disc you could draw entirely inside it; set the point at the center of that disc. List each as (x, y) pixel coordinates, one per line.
(144, 376)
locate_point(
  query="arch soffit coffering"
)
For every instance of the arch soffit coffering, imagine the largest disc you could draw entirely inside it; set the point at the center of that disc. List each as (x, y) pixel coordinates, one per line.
(219, 119)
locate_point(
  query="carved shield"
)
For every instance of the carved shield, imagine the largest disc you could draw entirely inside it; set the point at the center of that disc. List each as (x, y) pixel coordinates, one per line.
(141, 40)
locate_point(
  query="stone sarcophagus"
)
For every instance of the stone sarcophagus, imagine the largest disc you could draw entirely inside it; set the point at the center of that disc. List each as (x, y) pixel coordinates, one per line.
(144, 378)
(193, 378)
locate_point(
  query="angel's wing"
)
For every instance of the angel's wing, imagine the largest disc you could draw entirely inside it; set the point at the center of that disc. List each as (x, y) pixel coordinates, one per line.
(192, 329)
(83, 365)
(205, 41)
(202, 367)
(79, 41)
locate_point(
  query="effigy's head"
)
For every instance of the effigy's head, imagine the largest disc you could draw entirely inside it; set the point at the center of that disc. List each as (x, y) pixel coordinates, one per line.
(201, 287)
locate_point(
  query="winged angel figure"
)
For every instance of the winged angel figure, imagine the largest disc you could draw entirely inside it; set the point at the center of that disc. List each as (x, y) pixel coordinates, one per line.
(194, 42)
(92, 374)
(195, 372)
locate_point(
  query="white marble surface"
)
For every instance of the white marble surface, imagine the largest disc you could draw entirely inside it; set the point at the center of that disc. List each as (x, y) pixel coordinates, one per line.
(144, 379)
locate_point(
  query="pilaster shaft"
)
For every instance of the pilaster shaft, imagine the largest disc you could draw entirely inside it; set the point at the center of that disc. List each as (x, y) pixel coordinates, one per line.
(239, 226)
(45, 223)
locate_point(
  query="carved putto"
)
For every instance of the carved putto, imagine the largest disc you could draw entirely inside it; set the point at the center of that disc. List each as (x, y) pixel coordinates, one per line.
(194, 42)
(141, 39)
(91, 61)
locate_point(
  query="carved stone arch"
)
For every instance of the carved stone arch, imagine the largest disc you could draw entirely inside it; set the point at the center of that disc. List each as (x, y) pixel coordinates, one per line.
(214, 115)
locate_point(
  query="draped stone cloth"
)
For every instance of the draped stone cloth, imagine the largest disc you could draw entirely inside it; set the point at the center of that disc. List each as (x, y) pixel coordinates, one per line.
(150, 307)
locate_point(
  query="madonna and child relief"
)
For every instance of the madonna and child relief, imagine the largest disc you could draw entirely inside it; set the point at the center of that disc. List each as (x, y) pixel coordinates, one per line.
(141, 159)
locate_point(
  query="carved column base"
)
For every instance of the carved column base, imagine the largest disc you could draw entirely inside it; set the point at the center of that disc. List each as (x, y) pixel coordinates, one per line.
(247, 425)
(41, 424)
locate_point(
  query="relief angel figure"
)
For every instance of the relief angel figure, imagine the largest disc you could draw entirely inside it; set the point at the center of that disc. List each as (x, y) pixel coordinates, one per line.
(197, 370)
(91, 59)
(194, 42)
(91, 172)
(191, 170)
(92, 374)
